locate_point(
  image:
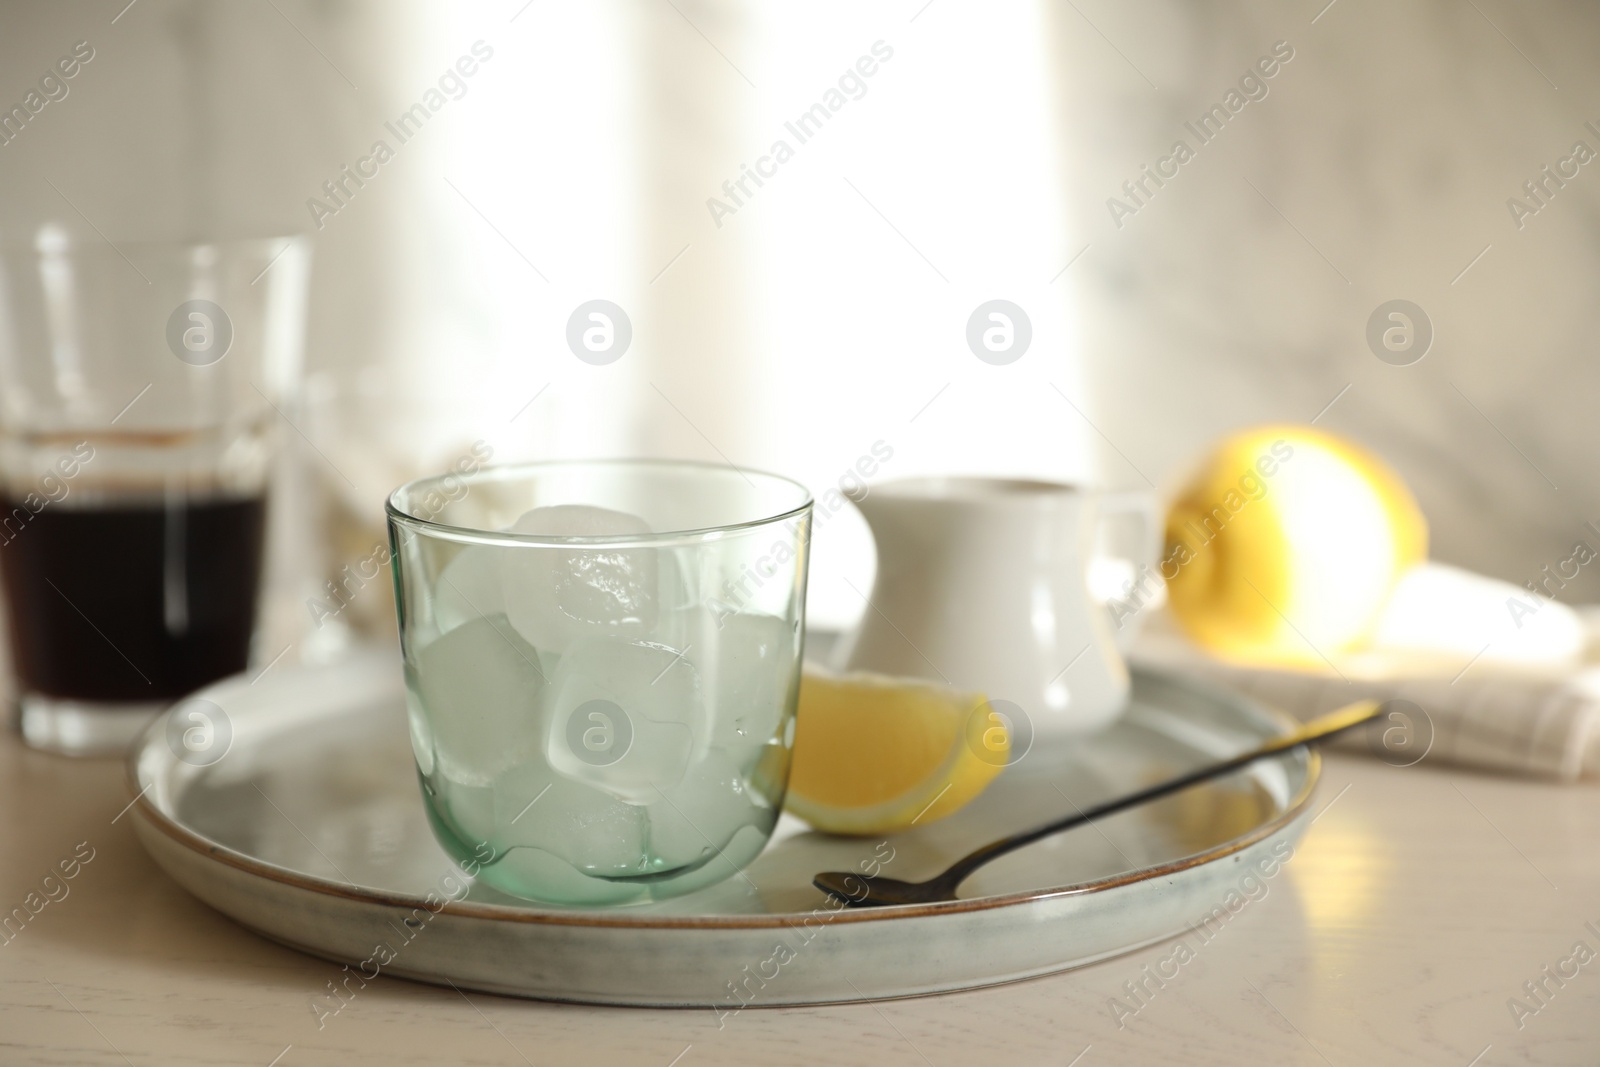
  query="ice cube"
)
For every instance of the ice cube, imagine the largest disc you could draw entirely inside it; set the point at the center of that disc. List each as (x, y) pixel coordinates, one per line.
(421, 733)
(468, 588)
(480, 686)
(625, 716)
(589, 828)
(578, 520)
(746, 662)
(696, 819)
(467, 809)
(556, 594)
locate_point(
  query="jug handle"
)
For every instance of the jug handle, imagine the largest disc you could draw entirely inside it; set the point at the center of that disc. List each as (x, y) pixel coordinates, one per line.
(1118, 563)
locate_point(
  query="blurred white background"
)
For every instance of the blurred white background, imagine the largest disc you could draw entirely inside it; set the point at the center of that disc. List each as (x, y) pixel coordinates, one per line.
(829, 311)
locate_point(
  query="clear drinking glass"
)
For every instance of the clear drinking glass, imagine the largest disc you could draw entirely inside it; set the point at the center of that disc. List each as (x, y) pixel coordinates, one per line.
(135, 448)
(602, 663)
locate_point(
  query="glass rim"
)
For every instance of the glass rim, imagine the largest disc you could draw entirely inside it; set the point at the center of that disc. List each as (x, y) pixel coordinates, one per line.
(397, 514)
(75, 242)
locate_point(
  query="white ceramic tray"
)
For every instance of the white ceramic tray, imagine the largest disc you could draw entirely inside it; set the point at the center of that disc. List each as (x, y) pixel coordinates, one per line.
(310, 830)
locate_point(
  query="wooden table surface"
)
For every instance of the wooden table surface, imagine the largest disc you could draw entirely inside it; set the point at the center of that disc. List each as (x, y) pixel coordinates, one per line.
(1418, 905)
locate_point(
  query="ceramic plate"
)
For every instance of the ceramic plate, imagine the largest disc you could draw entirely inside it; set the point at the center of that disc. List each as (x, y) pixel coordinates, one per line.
(310, 830)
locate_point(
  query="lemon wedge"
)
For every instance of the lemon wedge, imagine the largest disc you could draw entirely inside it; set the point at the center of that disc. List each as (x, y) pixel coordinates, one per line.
(875, 754)
(1285, 545)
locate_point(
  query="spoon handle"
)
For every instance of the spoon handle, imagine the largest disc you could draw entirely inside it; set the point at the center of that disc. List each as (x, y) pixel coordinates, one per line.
(1319, 729)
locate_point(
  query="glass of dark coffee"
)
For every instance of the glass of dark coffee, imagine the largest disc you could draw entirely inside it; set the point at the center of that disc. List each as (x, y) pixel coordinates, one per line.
(140, 386)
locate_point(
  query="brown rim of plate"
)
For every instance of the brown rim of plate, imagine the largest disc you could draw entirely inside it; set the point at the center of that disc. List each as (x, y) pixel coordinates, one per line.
(618, 919)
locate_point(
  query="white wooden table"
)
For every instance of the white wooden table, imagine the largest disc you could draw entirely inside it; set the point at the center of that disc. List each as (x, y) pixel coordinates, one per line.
(1417, 907)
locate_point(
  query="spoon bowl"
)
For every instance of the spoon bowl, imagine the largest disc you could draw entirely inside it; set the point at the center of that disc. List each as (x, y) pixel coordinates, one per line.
(864, 890)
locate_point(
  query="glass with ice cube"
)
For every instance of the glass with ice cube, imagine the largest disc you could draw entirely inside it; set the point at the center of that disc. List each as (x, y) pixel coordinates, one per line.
(602, 661)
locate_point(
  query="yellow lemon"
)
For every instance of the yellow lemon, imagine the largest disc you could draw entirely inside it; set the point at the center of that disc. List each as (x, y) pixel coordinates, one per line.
(1285, 545)
(874, 754)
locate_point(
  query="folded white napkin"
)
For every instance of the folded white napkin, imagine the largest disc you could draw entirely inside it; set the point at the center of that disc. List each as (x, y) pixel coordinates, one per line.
(1501, 686)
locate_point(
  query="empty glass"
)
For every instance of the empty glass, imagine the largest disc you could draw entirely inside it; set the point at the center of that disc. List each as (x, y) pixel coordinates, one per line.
(602, 663)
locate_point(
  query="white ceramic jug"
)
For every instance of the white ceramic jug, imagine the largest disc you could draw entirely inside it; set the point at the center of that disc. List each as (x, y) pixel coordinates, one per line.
(982, 584)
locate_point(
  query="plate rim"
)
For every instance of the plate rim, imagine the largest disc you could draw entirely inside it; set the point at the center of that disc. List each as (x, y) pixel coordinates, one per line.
(619, 918)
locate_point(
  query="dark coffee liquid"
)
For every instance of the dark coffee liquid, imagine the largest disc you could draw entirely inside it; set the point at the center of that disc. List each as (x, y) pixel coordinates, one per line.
(133, 601)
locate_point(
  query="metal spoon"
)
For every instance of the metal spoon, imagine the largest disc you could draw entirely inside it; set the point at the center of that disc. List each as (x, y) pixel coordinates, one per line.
(860, 890)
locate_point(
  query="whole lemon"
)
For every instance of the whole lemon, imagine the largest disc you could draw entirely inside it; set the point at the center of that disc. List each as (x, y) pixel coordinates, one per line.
(1284, 546)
